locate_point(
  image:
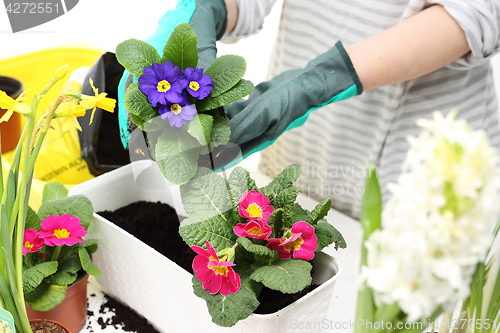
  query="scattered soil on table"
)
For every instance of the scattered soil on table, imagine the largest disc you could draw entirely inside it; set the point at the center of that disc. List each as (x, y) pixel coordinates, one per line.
(109, 148)
(47, 327)
(161, 232)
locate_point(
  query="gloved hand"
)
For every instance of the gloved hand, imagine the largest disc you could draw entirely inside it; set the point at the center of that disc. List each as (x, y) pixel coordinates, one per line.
(208, 19)
(285, 101)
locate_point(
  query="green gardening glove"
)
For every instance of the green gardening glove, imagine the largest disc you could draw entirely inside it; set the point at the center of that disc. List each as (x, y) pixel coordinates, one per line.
(208, 19)
(285, 101)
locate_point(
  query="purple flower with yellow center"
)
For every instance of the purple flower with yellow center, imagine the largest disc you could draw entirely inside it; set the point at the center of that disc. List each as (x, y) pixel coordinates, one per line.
(178, 114)
(163, 83)
(199, 85)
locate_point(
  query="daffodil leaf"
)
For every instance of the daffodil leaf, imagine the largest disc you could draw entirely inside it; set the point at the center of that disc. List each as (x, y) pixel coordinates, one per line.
(206, 194)
(54, 190)
(201, 128)
(77, 205)
(177, 154)
(226, 72)
(288, 276)
(181, 47)
(226, 311)
(135, 55)
(53, 297)
(87, 265)
(239, 90)
(327, 234)
(138, 105)
(32, 277)
(221, 132)
(255, 248)
(197, 229)
(239, 181)
(320, 211)
(64, 278)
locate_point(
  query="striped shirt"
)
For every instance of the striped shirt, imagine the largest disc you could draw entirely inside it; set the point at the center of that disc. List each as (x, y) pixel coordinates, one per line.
(339, 141)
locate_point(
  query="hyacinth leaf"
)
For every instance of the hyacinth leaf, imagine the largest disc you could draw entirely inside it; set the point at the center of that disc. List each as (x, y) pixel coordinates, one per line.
(53, 297)
(177, 155)
(181, 47)
(320, 211)
(226, 72)
(135, 55)
(138, 105)
(32, 277)
(254, 248)
(226, 311)
(299, 213)
(200, 128)
(77, 205)
(327, 234)
(87, 264)
(371, 209)
(54, 190)
(32, 220)
(239, 181)
(64, 278)
(197, 229)
(241, 89)
(221, 132)
(288, 276)
(206, 194)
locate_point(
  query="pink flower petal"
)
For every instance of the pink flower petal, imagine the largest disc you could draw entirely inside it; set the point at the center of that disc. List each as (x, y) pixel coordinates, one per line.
(299, 254)
(215, 284)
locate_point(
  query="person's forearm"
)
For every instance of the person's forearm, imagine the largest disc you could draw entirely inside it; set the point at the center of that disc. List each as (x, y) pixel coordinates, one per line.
(232, 14)
(422, 44)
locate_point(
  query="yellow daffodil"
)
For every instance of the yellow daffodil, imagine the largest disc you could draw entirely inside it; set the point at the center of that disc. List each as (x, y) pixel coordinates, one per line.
(99, 100)
(70, 111)
(11, 105)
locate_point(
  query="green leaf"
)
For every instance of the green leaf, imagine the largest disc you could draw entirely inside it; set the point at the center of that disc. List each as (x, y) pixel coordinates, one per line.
(238, 91)
(299, 213)
(206, 195)
(135, 55)
(32, 220)
(54, 190)
(77, 205)
(320, 211)
(328, 234)
(228, 310)
(53, 297)
(285, 179)
(286, 200)
(64, 278)
(177, 155)
(138, 105)
(37, 293)
(221, 132)
(91, 245)
(71, 264)
(87, 265)
(275, 221)
(238, 183)
(226, 72)
(181, 47)
(197, 229)
(200, 128)
(371, 210)
(288, 276)
(32, 277)
(254, 248)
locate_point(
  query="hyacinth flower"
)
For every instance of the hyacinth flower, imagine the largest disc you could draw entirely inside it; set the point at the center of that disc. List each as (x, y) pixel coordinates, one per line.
(255, 206)
(253, 229)
(178, 114)
(163, 83)
(215, 273)
(13, 105)
(69, 111)
(32, 241)
(300, 241)
(62, 230)
(199, 85)
(97, 101)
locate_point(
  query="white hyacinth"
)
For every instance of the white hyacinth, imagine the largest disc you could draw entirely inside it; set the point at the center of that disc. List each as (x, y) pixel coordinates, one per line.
(437, 225)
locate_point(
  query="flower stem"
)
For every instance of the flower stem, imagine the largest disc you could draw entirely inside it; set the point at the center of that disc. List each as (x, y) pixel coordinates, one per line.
(55, 254)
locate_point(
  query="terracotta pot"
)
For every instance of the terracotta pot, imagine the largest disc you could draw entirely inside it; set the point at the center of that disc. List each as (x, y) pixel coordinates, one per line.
(11, 130)
(35, 321)
(72, 312)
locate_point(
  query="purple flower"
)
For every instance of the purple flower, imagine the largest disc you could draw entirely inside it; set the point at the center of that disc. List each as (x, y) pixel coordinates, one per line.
(178, 114)
(199, 84)
(163, 83)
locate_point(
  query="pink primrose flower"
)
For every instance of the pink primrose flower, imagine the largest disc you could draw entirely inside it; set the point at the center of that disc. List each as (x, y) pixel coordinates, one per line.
(62, 230)
(255, 205)
(254, 229)
(32, 242)
(301, 241)
(216, 275)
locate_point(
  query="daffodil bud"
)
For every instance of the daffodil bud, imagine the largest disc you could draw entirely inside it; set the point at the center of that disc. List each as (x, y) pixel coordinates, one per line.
(60, 73)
